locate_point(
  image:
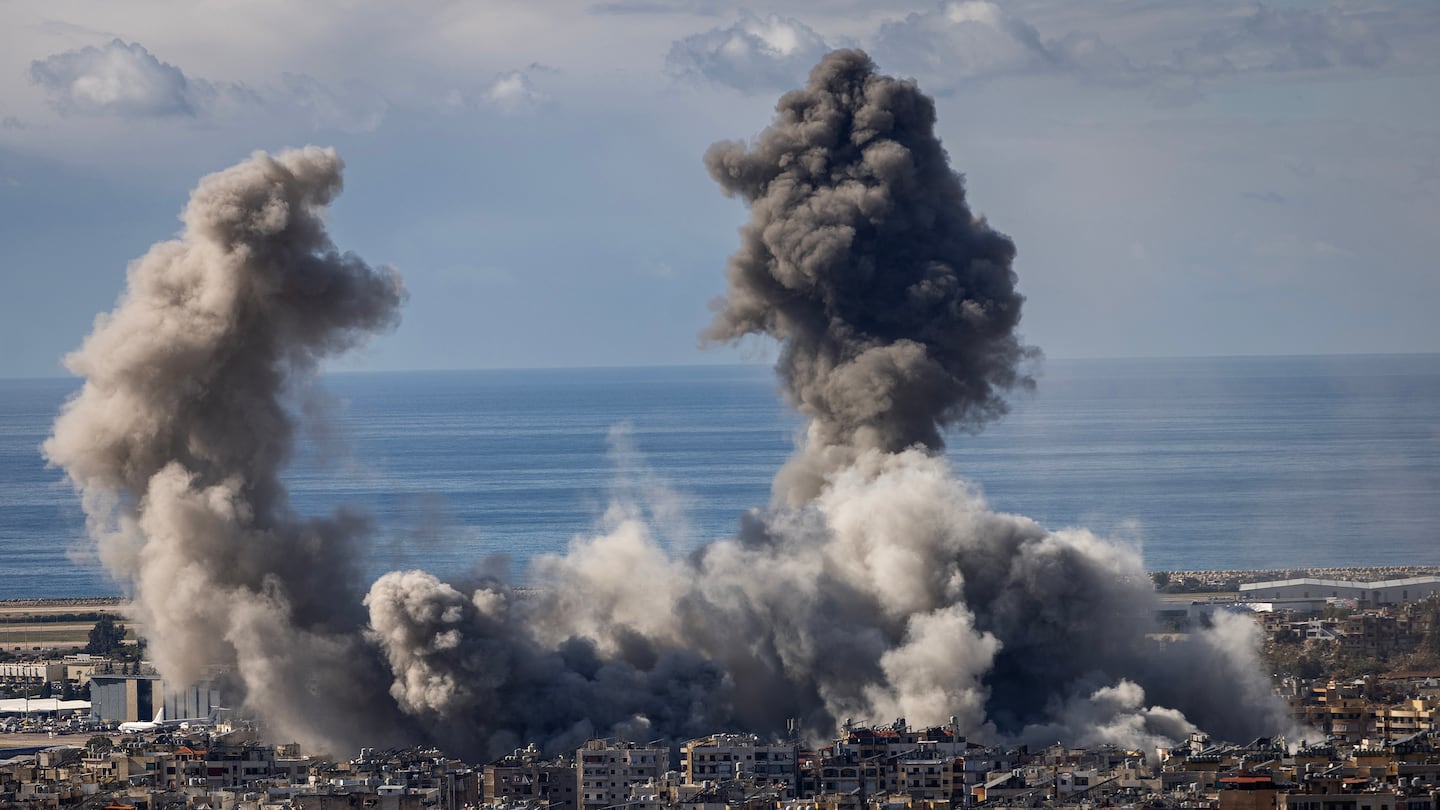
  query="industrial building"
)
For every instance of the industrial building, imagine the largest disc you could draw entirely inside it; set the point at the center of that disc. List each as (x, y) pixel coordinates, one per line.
(124, 698)
(1384, 592)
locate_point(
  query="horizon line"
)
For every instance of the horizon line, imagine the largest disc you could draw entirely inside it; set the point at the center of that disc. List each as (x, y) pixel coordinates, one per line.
(770, 362)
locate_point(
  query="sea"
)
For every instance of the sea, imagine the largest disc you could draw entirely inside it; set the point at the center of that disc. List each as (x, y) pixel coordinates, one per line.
(1198, 463)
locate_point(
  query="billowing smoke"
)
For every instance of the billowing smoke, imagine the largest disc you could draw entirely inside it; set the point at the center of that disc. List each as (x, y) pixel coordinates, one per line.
(895, 306)
(878, 584)
(177, 440)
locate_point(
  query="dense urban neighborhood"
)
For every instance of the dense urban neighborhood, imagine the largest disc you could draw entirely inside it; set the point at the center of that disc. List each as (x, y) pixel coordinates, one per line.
(1357, 662)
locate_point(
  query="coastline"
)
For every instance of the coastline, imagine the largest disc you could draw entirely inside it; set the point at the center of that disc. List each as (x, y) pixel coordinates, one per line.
(1220, 579)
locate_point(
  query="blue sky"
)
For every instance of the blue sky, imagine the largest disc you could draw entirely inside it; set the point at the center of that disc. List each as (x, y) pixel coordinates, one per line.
(1180, 179)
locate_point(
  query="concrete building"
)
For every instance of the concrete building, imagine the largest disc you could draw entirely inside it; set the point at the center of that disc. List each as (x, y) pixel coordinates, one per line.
(606, 769)
(738, 756)
(1246, 791)
(33, 672)
(931, 777)
(125, 698)
(524, 776)
(199, 701)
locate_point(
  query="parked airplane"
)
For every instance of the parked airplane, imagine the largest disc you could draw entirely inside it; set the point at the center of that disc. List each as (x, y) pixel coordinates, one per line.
(138, 726)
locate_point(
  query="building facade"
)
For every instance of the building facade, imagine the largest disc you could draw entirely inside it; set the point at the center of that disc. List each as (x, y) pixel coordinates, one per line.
(606, 770)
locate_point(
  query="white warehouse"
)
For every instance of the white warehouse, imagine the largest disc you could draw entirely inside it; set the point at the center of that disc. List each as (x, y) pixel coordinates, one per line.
(1384, 592)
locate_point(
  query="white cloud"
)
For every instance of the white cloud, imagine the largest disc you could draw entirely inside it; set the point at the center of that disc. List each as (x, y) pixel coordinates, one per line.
(350, 107)
(1286, 39)
(126, 80)
(961, 40)
(756, 54)
(514, 94)
(969, 40)
(121, 79)
(976, 39)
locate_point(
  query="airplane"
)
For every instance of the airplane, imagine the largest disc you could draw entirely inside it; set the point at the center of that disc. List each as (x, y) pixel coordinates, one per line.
(139, 726)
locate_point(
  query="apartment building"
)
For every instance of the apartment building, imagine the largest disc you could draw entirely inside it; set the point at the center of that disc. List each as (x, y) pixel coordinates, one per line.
(738, 756)
(606, 770)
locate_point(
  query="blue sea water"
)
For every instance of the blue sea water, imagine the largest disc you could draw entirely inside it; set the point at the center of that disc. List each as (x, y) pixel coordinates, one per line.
(1206, 463)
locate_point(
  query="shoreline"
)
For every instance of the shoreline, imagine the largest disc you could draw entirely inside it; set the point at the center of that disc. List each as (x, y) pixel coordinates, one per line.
(1220, 579)
(1227, 580)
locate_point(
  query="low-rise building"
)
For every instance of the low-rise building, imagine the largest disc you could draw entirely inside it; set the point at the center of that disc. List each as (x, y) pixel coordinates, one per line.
(525, 776)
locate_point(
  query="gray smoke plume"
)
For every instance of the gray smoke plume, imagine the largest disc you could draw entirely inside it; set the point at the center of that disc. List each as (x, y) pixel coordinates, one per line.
(895, 306)
(178, 437)
(879, 584)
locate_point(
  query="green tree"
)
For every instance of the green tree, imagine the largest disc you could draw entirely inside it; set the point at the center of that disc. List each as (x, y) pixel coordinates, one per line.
(106, 637)
(100, 743)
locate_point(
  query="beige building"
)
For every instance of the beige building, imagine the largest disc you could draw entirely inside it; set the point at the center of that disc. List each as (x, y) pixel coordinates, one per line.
(737, 756)
(606, 770)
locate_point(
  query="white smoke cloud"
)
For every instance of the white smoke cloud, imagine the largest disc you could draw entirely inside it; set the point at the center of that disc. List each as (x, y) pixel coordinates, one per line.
(755, 54)
(176, 441)
(1115, 715)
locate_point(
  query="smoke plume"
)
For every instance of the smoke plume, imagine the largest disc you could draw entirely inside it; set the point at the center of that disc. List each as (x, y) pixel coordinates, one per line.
(178, 437)
(877, 584)
(894, 305)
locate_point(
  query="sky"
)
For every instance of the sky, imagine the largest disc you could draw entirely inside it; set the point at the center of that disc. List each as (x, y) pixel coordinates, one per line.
(1180, 179)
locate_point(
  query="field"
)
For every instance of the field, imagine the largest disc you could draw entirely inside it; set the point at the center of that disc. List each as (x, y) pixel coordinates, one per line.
(59, 624)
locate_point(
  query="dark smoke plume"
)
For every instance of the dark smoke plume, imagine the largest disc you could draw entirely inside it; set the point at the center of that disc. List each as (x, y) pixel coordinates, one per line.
(178, 437)
(878, 585)
(895, 306)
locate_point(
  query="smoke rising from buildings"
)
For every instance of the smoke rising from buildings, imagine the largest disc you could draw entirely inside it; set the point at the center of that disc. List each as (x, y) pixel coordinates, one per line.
(177, 440)
(877, 584)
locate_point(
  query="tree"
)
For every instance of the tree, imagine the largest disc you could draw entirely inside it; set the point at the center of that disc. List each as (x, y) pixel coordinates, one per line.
(1161, 579)
(106, 637)
(100, 743)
